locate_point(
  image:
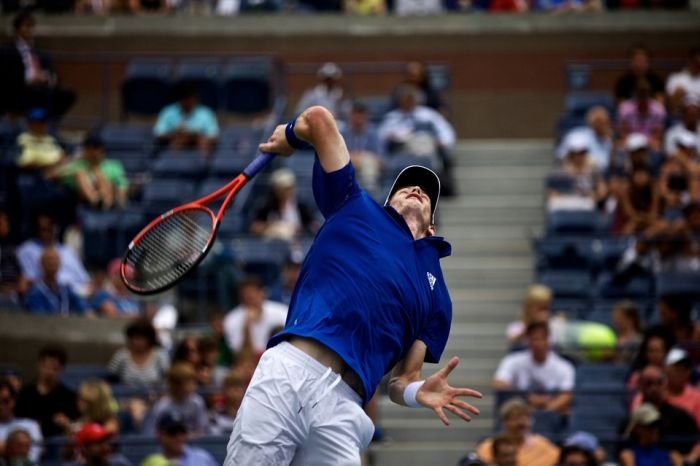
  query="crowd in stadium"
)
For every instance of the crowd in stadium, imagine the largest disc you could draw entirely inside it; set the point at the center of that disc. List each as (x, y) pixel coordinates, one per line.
(627, 171)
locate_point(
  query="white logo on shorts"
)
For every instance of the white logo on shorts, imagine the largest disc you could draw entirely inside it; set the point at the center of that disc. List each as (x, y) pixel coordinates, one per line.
(431, 281)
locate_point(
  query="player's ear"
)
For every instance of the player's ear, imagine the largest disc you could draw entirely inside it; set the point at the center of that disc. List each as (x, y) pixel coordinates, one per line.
(431, 231)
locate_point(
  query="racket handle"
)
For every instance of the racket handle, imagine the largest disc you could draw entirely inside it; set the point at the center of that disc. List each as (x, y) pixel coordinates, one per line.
(257, 164)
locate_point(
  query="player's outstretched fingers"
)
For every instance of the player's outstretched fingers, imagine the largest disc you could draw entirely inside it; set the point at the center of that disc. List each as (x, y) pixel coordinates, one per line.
(454, 409)
(468, 392)
(450, 366)
(441, 414)
(466, 406)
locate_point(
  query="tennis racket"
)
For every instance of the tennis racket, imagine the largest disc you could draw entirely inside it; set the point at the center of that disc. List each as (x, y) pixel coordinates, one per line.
(176, 242)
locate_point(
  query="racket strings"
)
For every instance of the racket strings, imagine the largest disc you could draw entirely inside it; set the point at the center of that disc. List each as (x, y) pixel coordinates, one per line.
(170, 249)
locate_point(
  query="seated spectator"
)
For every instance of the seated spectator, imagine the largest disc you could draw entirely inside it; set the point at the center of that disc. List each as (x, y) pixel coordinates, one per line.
(71, 272)
(589, 444)
(96, 405)
(98, 181)
(638, 204)
(645, 449)
(628, 330)
(652, 352)
(684, 83)
(417, 130)
(187, 124)
(288, 279)
(689, 123)
(114, 299)
(37, 148)
(47, 400)
(18, 447)
(329, 92)
(365, 7)
(208, 374)
(642, 114)
(13, 284)
(596, 136)
(10, 423)
(47, 295)
(546, 377)
(93, 443)
(533, 449)
(676, 318)
(249, 325)
(225, 357)
(141, 363)
(182, 397)
(223, 415)
(572, 455)
(535, 308)
(416, 74)
(677, 428)
(147, 6)
(639, 71)
(283, 215)
(505, 451)
(172, 431)
(678, 182)
(365, 150)
(28, 79)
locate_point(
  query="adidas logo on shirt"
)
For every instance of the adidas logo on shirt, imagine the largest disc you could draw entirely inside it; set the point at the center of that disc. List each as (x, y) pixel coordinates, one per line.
(431, 280)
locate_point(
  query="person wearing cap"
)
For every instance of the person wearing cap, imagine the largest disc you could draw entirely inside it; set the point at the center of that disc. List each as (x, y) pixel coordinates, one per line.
(172, 432)
(328, 92)
(596, 137)
(37, 148)
(98, 181)
(645, 448)
(371, 298)
(592, 453)
(113, 299)
(574, 455)
(689, 123)
(94, 448)
(9, 422)
(282, 215)
(686, 82)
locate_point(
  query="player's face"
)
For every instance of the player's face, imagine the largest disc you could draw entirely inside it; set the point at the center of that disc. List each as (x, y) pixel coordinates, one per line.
(412, 201)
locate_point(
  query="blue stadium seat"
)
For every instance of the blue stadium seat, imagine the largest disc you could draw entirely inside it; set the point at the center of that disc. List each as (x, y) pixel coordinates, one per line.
(233, 223)
(681, 283)
(548, 423)
(99, 236)
(241, 139)
(637, 286)
(202, 74)
(162, 194)
(247, 85)
(134, 162)
(572, 222)
(228, 163)
(609, 251)
(146, 86)
(573, 309)
(601, 376)
(559, 182)
(74, 374)
(127, 137)
(214, 444)
(564, 253)
(567, 283)
(578, 102)
(261, 257)
(377, 106)
(137, 447)
(601, 311)
(565, 123)
(180, 164)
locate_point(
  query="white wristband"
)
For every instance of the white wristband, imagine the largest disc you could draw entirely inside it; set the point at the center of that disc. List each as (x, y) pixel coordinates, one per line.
(409, 394)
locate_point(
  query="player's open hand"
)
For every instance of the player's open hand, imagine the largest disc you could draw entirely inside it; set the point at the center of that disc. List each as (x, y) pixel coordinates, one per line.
(439, 396)
(277, 143)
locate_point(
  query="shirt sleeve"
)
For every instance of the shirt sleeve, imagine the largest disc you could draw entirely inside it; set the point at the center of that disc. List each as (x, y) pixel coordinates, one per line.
(504, 372)
(164, 123)
(116, 364)
(568, 376)
(437, 328)
(332, 190)
(211, 126)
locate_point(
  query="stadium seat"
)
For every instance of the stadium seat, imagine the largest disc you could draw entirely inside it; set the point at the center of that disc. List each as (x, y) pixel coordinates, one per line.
(146, 86)
(99, 236)
(567, 283)
(573, 309)
(228, 163)
(566, 123)
(137, 447)
(377, 106)
(241, 139)
(681, 283)
(134, 162)
(247, 85)
(127, 137)
(261, 257)
(548, 423)
(74, 374)
(572, 222)
(609, 251)
(564, 253)
(601, 311)
(577, 103)
(180, 164)
(214, 444)
(601, 376)
(202, 74)
(636, 286)
(159, 195)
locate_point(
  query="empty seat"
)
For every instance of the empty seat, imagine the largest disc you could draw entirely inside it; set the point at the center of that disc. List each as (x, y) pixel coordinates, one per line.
(203, 75)
(573, 309)
(567, 283)
(637, 286)
(137, 447)
(241, 139)
(579, 102)
(377, 106)
(601, 376)
(99, 236)
(159, 195)
(681, 283)
(74, 374)
(572, 222)
(185, 164)
(228, 163)
(133, 161)
(564, 253)
(261, 257)
(146, 87)
(610, 251)
(247, 85)
(126, 137)
(548, 423)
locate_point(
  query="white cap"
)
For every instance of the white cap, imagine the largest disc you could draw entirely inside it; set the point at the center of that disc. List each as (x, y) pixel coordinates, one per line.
(636, 141)
(676, 355)
(645, 415)
(329, 70)
(577, 142)
(283, 178)
(687, 139)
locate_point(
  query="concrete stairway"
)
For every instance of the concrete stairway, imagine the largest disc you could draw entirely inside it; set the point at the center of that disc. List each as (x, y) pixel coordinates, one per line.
(490, 225)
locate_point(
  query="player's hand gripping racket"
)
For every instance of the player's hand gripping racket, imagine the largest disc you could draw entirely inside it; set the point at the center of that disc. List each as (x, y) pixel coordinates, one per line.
(174, 243)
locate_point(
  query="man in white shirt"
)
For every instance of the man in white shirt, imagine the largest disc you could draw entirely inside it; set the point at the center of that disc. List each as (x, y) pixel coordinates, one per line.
(250, 325)
(547, 377)
(598, 137)
(685, 82)
(689, 123)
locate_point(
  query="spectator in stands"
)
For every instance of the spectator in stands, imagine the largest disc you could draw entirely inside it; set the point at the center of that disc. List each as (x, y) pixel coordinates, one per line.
(47, 295)
(28, 79)
(536, 305)
(137, 7)
(419, 131)
(114, 299)
(547, 378)
(689, 123)
(95, 7)
(573, 455)
(94, 448)
(98, 181)
(96, 405)
(172, 431)
(416, 74)
(365, 7)
(142, 363)
(677, 428)
(642, 114)
(182, 397)
(676, 317)
(288, 278)
(639, 71)
(596, 136)
(37, 148)
(225, 357)
(505, 451)
(13, 284)
(589, 444)
(684, 83)
(533, 449)
(329, 92)
(645, 448)
(47, 400)
(678, 181)
(283, 215)
(652, 352)
(638, 204)
(72, 272)
(18, 447)
(222, 417)
(9, 423)
(208, 374)
(187, 124)
(249, 325)
(628, 330)
(366, 153)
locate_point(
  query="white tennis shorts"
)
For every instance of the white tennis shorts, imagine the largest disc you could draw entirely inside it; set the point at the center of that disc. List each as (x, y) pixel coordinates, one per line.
(297, 411)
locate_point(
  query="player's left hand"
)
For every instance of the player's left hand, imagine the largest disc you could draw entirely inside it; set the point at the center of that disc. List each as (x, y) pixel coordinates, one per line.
(277, 143)
(439, 396)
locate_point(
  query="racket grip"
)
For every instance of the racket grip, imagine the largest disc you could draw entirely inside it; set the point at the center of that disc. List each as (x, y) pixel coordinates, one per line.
(257, 164)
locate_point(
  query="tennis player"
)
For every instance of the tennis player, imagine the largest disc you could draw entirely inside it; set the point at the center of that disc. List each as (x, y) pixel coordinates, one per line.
(370, 298)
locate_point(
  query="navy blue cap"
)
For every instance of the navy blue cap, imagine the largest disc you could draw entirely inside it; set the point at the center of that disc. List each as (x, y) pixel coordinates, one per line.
(37, 114)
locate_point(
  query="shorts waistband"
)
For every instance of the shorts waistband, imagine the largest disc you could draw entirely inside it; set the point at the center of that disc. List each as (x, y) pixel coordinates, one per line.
(292, 352)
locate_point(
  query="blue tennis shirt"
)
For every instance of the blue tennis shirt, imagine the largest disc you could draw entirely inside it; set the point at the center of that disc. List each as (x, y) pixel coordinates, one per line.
(367, 289)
